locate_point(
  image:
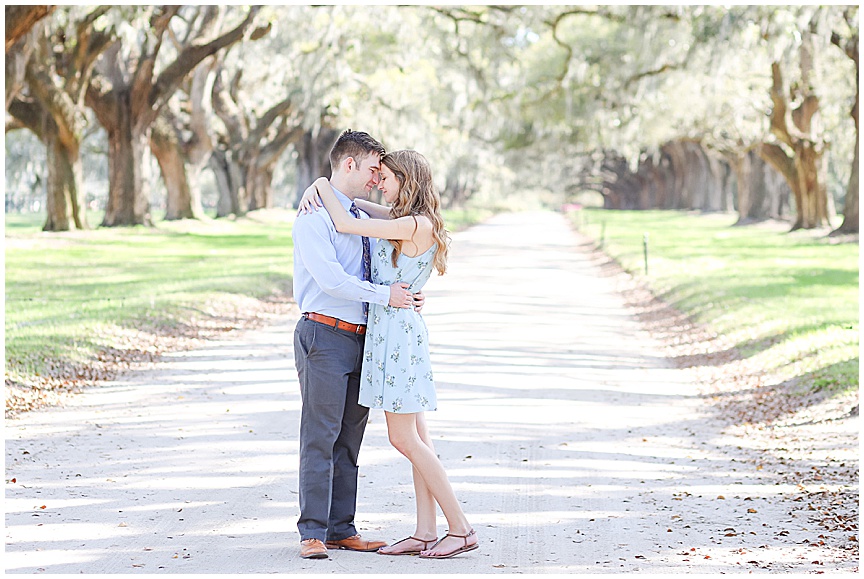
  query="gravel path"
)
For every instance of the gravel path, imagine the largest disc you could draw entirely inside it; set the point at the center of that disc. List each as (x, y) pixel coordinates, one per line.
(574, 444)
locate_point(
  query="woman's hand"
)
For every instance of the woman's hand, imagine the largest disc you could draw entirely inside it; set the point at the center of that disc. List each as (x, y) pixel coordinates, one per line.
(310, 201)
(419, 301)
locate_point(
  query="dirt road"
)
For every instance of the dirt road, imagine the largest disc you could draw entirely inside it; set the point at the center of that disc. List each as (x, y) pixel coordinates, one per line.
(574, 444)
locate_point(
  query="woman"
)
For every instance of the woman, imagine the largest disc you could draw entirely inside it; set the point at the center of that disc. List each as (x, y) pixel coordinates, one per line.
(397, 375)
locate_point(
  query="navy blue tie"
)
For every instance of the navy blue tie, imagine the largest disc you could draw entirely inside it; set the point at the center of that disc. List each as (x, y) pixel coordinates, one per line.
(367, 258)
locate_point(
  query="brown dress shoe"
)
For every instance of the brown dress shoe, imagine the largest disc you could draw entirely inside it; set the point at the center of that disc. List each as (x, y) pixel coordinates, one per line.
(313, 549)
(355, 543)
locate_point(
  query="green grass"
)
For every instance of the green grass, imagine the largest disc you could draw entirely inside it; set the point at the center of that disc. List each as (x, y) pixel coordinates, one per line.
(72, 295)
(68, 293)
(790, 300)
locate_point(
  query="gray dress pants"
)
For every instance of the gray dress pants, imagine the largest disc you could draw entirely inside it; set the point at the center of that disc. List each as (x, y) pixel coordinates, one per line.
(331, 428)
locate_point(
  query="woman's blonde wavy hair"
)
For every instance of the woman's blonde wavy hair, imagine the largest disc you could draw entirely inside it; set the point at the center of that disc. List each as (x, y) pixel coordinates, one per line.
(417, 196)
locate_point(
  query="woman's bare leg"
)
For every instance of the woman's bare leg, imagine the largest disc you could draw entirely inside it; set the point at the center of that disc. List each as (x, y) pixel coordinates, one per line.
(426, 523)
(405, 437)
(426, 529)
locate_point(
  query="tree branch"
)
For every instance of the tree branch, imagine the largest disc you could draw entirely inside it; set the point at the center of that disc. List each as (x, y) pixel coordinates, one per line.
(227, 110)
(20, 19)
(171, 77)
(775, 156)
(289, 133)
(29, 114)
(142, 79)
(56, 102)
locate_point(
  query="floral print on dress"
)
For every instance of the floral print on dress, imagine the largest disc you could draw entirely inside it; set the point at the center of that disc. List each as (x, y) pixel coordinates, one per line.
(396, 366)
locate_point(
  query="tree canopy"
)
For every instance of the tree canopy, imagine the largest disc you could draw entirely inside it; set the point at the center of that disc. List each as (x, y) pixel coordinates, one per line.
(641, 103)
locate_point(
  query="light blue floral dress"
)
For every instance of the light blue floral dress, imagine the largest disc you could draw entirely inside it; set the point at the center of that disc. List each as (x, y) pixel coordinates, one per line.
(397, 373)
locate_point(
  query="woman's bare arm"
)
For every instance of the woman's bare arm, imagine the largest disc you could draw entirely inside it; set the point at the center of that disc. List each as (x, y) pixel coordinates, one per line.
(404, 228)
(375, 210)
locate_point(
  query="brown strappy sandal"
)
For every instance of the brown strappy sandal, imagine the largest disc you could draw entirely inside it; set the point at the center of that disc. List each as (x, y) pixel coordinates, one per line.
(463, 549)
(413, 552)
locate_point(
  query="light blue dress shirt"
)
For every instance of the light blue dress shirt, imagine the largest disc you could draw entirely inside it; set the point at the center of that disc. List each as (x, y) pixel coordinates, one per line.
(328, 268)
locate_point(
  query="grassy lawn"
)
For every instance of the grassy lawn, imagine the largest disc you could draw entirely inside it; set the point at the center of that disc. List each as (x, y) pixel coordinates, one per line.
(789, 300)
(70, 296)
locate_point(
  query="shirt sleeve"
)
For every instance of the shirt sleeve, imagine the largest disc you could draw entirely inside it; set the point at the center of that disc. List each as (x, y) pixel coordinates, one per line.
(313, 243)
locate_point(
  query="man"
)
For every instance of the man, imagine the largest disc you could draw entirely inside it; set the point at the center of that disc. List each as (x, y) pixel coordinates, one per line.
(330, 288)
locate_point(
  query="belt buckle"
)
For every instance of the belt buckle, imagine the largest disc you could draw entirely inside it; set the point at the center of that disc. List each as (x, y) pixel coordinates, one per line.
(360, 329)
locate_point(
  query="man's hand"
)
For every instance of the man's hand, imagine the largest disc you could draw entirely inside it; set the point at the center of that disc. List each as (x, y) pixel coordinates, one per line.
(400, 297)
(419, 300)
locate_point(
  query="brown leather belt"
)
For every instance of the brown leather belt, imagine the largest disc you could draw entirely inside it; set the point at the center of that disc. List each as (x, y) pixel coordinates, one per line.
(336, 323)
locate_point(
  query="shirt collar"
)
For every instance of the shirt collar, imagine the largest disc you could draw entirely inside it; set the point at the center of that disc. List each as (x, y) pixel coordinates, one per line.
(343, 199)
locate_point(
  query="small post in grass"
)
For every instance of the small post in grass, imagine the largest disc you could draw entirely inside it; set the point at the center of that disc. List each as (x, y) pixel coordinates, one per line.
(645, 247)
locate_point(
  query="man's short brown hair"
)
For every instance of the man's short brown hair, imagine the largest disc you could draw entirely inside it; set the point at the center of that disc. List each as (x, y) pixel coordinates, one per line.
(356, 144)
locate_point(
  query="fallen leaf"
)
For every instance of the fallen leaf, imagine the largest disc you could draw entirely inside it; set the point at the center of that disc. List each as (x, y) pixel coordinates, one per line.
(721, 497)
(751, 510)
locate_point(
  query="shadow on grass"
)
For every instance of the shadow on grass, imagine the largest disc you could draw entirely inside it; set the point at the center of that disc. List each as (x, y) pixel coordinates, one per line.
(117, 348)
(692, 344)
(780, 404)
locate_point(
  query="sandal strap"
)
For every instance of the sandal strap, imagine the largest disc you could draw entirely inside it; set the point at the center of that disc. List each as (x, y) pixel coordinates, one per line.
(415, 539)
(421, 540)
(463, 537)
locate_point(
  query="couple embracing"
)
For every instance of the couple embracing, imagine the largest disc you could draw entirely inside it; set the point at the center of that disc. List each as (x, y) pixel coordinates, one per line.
(361, 343)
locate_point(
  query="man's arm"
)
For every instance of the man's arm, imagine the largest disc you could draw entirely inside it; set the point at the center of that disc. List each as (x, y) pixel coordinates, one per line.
(312, 242)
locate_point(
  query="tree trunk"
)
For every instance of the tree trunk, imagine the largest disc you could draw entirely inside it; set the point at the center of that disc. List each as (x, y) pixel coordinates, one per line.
(850, 210)
(677, 167)
(805, 170)
(127, 99)
(229, 180)
(811, 173)
(128, 191)
(259, 182)
(313, 158)
(183, 201)
(255, 186)
(64, 201)
(743, 167)
(715, 177)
